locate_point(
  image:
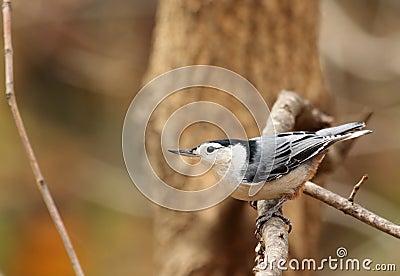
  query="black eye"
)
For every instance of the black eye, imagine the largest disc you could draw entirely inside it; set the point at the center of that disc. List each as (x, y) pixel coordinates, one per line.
(210, 149)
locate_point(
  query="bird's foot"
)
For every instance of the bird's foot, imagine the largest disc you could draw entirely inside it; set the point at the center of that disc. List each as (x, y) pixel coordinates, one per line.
(285, 220)
(253, 204)
(262, 220)
(272, 212)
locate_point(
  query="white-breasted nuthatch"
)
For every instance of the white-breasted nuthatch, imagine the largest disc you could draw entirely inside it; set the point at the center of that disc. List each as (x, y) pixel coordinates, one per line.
(283, 161)
(278, 165)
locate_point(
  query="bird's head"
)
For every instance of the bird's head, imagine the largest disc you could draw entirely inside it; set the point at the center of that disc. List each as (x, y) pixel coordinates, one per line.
(218, 152)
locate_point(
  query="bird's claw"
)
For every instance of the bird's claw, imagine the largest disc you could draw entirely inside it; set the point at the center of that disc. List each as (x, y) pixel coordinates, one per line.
(261, 220)
(285, 220)
(253, 204)
(272, 212)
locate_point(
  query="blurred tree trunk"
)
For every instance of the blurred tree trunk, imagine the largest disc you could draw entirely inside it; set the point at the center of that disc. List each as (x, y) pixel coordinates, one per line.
(273, 43)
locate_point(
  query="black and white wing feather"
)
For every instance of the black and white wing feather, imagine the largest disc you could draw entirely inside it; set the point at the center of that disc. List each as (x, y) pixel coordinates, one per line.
(283, 152)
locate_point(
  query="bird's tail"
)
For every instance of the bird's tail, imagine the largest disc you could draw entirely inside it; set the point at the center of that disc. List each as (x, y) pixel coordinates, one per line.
(346, 131)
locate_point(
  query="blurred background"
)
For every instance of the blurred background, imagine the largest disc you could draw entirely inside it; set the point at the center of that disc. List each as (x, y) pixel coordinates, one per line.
(78, 65)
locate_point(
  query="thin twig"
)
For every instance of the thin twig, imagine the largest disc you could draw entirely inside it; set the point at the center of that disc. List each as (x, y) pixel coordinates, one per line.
(41, 184)
(351, 209)
(356, 188)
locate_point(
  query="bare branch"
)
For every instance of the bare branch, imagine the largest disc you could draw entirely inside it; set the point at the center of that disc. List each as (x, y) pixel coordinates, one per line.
(274, 245)
(274, 234)
(41, 184)
(351, 209)
(288, 108)
(284, 112)
(356, 188)
(277, 239)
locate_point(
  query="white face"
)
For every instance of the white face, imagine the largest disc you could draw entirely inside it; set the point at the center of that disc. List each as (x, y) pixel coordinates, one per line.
(214, 153)
(220, 157)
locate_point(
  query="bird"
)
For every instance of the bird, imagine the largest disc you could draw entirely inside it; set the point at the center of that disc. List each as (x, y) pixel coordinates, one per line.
(271, 166)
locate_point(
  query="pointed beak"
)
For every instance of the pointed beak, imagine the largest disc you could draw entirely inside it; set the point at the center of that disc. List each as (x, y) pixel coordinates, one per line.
(188, 153)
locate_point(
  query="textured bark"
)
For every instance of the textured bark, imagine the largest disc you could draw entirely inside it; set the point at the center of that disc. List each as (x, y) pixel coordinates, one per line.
(273, 43)
(352, 209)
(287, 110)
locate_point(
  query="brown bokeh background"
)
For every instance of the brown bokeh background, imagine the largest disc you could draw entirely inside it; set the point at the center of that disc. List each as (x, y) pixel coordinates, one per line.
(78, 64)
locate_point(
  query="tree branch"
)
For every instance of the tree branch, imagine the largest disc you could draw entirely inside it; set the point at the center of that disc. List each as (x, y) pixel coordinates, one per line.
(273, 245)
(283, 115)
(352, 209)
(41, 184)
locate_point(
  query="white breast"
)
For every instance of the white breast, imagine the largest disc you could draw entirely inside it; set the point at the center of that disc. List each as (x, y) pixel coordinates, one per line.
(231, 170)
(289, 184)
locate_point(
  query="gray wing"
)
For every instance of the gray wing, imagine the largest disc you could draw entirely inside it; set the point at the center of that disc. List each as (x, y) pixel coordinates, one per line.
(283, 153)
